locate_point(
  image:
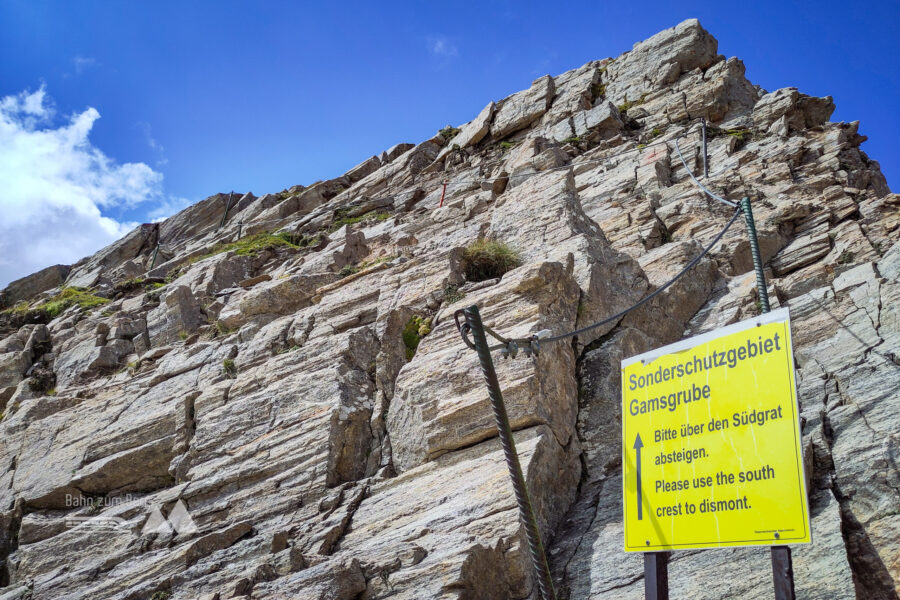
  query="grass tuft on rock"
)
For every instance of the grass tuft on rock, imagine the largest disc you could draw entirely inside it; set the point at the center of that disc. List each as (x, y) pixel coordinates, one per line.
(229, 369)
(488, 259)
(449, 132)
(220, 329)
(452, 294)
(19, 309)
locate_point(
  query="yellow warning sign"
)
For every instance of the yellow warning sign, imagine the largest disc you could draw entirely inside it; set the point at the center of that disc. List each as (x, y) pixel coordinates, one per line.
(711, 441)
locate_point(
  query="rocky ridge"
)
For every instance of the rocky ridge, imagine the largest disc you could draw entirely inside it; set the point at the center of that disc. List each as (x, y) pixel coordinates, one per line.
(286, 367)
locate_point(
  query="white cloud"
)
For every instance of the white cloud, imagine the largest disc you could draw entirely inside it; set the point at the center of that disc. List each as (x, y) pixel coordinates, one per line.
(83, 63)
(54, 185)
(440, 46)
(152, 143)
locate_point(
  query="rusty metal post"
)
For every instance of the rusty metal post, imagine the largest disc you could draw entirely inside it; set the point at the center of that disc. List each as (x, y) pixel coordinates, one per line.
(656, 575)
(225, 214)
(526, 512)
(443, 191)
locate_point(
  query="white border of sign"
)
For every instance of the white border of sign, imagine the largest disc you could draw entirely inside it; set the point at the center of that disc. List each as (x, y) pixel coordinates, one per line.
(774, 316)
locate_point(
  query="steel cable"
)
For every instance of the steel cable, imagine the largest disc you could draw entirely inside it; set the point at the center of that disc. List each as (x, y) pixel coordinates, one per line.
(526, 341)
(694, 179)
(656, 292)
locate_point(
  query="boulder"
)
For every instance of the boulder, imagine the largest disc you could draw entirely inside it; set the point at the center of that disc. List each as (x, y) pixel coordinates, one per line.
(394, 151)
(178, 315)
(13, 366)
(472, 132)
(659, 61)
(603, 119)
(794, 110)
(522, 108)
(276, 297)
(140, 241)
(362, 169)
(575, 91)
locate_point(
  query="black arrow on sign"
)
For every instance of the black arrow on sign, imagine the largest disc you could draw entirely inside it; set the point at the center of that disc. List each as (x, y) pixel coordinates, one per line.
(638, 444)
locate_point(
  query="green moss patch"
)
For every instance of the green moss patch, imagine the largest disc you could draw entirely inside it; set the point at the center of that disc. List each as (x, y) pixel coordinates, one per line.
(255, 244)
(342, 218)
(348, 270)
(413, 332)
(72, 296)
(229, 369)
(20, 309)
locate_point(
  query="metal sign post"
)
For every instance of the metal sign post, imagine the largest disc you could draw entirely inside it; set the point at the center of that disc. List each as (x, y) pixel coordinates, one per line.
(656, 575)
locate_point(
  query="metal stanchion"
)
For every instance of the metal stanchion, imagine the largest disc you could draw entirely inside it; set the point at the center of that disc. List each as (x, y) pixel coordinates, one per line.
(225, 214)
(782, 565)
(526, 513)
(153, 261)
(705, 160)
(754, 252)
(443, 191)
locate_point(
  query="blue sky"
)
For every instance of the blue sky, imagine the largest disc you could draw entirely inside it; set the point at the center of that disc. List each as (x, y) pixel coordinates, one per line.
(181, 100)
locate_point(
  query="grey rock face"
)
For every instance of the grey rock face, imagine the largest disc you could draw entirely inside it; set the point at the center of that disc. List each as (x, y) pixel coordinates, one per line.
(660, 60)
(30, 286)
(798, 111)
(472, 132)
(300, 419)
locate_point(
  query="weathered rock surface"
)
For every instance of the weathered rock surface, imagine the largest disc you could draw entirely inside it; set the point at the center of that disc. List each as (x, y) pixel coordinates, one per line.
(30, 286)
(522, 108)
(300, 419)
